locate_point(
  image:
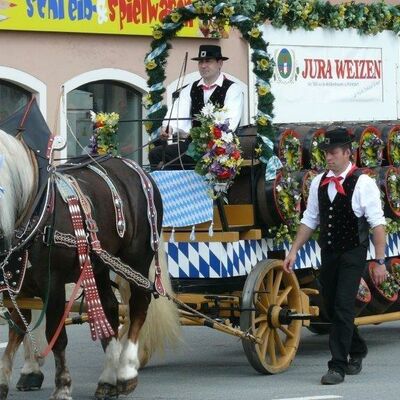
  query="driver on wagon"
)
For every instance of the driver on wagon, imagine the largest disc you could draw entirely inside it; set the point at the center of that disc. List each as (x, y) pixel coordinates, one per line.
(213, 87)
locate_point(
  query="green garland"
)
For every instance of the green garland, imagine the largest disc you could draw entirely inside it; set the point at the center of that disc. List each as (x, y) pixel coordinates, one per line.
(247, 16)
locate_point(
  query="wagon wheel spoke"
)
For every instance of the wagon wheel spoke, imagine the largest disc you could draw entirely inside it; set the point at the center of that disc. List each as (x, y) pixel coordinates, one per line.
(283, 295)
(270, 285)
(271, 349)
(277, 284)
(286, 331)
(260, 331)
(263, 295)
(261, 308)
(264, 345)
(261, 318)
(281, 346)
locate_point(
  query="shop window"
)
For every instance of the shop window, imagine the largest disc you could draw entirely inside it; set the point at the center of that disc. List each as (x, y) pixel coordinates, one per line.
(105, 96)
(12, 97)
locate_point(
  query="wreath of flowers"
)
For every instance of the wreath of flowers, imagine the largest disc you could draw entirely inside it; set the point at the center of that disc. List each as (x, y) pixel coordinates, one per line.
(290, 151)
(104, 139)
(216, 150)
(394, 147)
(363, 293)
(393, 189)
(389, 287)
(317, 159)
(288, 199)
(371, 150)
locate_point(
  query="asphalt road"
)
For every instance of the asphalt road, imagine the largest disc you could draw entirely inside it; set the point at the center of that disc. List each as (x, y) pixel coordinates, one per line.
(211, 365)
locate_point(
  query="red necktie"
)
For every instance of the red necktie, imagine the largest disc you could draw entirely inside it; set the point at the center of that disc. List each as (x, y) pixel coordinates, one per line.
(209, 87)
(336, 180)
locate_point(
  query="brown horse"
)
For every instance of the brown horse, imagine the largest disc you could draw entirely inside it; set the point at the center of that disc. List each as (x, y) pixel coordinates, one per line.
(54, 265)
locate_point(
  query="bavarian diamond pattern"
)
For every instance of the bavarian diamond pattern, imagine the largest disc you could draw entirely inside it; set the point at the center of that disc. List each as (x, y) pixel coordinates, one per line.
(185, 198)
(214, 259)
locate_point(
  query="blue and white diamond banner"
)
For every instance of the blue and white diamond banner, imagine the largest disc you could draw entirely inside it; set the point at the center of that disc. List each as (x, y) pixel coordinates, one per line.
(214, 259)
(185, 198)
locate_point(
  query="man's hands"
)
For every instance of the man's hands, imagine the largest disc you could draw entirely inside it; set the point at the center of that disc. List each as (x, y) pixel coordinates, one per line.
(164, 135)
(379, 273)
(289, 261)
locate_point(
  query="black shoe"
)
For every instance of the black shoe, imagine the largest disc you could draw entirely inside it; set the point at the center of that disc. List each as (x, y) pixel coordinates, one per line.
(354, 366)
(332, 377)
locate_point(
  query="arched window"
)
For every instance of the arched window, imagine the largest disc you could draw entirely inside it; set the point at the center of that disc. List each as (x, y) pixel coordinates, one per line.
(105, 96)
(12, 97)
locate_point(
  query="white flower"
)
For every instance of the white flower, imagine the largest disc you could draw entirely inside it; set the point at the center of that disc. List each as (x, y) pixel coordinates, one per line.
(278, 188)
(208, 110)
(227, 137)
(223, 159)
(220, 117)
(220, 187)
(393, 178)
(314, 143)
(93, 116)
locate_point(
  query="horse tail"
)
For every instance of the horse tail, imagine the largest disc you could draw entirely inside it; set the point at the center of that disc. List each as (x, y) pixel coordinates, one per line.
(161, 326)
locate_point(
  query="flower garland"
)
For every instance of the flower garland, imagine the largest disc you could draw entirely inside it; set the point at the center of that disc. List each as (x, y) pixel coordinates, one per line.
(371, 150)
(104, 139)
(246, 17)
(290, 152)
(216, 150)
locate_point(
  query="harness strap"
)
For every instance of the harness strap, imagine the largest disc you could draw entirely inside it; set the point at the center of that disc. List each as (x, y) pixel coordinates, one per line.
(152, 217)
(99, 325)
(117, 201)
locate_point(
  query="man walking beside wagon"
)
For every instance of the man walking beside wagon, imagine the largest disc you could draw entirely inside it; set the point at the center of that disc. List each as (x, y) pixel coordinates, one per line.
(345, 205)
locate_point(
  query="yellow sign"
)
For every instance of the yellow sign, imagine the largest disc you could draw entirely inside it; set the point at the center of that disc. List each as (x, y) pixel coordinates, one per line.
(120, 17)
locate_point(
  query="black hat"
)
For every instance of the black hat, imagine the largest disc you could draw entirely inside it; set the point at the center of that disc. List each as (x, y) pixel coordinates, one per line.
(209, 51)
(336, 137)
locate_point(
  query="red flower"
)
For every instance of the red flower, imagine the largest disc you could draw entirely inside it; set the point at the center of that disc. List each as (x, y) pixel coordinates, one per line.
(210, 144)
(225, 174)
(219, 151)
(217, 132)
(235, 155)
(99, 124)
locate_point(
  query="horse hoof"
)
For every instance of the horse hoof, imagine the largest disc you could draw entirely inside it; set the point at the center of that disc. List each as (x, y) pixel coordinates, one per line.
(3, 392)
(32, 381)
(127, 387)
(105, 391)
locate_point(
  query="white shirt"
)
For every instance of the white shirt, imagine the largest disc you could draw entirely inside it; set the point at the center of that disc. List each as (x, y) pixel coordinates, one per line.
(366, 200)
(233, 104)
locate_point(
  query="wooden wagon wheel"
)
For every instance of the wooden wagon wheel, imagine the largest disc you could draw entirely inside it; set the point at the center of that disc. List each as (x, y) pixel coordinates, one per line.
(269, 297)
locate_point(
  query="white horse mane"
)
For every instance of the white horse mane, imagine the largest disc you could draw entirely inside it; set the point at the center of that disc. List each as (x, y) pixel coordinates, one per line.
(17, 177)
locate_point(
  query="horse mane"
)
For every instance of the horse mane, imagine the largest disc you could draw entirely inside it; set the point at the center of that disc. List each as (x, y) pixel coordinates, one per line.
(17, 177)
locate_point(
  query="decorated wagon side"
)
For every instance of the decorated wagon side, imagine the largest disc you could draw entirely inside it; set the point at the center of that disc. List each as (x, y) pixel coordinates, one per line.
(236, 274)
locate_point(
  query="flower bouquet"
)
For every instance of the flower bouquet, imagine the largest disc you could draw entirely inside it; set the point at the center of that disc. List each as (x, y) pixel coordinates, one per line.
(104, 139)
(216, 150)
(290, 151)
(371, 149)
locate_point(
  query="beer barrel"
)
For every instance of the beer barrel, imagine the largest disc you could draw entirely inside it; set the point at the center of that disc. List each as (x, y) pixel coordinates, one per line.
(247, 135)
(278, 200)
(370, 146)
(389, 181)
(310, 137)
(391, 139)
(304, 179)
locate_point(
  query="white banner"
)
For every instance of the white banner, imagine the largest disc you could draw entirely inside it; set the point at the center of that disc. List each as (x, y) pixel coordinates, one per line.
(327, 75)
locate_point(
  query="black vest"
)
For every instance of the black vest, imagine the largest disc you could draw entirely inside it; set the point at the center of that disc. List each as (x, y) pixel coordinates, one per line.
(340, 229)
(197, 96)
